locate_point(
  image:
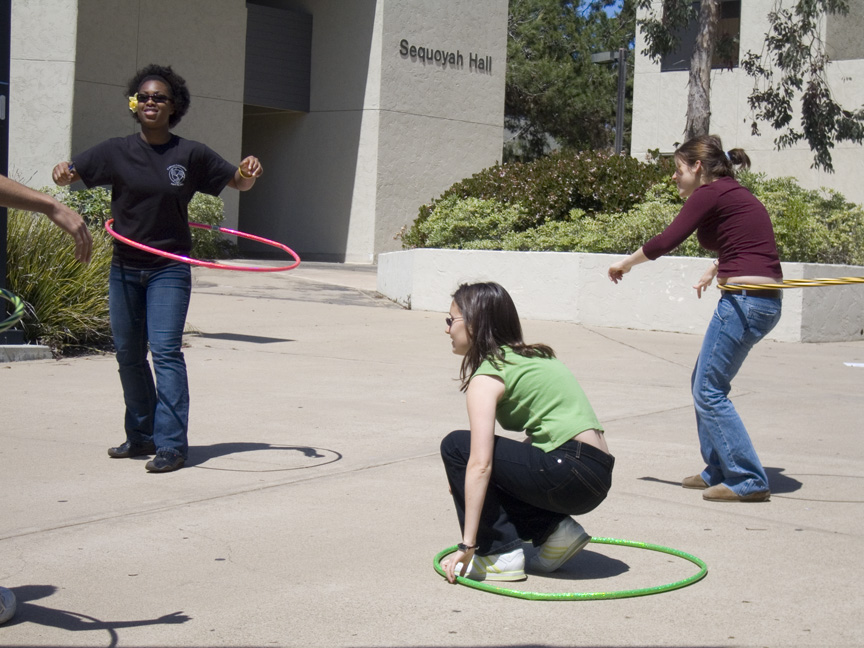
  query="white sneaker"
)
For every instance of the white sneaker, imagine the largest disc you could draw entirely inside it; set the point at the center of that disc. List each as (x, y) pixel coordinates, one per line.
(568, 539)
(508, 566)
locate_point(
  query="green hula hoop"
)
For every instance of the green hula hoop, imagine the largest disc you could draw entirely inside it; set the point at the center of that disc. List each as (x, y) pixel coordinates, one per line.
(588, 596)
(17, 312)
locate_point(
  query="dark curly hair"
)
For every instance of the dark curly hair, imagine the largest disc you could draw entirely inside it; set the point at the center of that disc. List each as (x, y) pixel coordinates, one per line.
(179, 91)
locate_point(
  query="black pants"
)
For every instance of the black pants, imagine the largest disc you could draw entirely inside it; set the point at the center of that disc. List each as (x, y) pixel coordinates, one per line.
(530, 491)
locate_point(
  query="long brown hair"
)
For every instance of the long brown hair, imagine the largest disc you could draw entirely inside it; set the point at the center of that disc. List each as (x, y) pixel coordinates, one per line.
(491, 321)
(708, 149)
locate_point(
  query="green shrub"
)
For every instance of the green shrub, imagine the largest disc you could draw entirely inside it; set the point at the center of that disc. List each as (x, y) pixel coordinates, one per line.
(810, 226)
(66, 301)
(547, 189)
(207, 244)
(468, 222)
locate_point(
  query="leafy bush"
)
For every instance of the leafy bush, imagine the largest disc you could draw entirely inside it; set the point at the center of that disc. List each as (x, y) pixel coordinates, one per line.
(810, 226)
(547, 189)
(207, 244)
(66, 302)
(469, 222)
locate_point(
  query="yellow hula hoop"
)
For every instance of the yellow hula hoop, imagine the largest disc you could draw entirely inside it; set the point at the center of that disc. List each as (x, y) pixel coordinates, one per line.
(795, 283)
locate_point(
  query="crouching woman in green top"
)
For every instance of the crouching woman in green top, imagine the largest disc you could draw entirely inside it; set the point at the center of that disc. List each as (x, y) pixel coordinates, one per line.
(507, 492)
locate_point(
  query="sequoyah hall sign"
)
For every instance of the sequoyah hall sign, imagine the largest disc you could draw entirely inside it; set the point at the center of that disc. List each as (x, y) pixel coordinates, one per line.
(431, 56)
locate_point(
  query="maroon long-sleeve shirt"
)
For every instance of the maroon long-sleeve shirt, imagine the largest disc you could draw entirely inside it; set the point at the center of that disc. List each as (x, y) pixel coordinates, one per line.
(728, 219)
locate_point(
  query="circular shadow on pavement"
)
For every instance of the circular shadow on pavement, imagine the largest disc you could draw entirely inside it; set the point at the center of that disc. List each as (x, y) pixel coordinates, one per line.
(259, 457)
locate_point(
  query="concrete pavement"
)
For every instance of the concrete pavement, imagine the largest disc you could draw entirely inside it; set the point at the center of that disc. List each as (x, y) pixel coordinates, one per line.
(314, 498)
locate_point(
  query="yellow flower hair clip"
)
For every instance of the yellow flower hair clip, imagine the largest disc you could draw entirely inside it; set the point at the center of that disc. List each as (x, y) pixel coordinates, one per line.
(133, 103)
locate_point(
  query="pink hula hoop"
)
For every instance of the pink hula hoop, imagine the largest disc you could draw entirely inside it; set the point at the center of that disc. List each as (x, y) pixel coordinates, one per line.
(211, 264)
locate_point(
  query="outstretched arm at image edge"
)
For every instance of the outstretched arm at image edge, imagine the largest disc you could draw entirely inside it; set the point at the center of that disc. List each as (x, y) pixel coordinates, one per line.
(17, 196)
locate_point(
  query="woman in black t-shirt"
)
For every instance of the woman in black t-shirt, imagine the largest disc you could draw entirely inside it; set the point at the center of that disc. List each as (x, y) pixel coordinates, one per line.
(153, 176)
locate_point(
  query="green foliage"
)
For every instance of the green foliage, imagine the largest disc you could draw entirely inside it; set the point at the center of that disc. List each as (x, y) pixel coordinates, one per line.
(468, 222)
(553, 92)
(66, 302)
(94, 205)
(810, 226)
(207, 244)
(549, 188)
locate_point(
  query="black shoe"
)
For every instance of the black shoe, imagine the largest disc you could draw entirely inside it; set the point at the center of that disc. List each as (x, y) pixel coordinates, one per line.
(127, 450)
(165, 462)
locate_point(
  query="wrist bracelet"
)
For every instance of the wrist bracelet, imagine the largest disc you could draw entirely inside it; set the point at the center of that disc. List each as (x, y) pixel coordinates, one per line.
(243, 175)
(464, 547)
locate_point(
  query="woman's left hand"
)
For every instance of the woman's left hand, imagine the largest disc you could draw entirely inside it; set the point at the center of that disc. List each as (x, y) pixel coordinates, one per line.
(251, 167)
(449, 565)
(705, 280)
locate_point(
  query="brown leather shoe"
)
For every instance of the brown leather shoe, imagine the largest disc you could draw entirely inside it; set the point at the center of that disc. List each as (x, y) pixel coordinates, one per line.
(722, 493)
(695, 481)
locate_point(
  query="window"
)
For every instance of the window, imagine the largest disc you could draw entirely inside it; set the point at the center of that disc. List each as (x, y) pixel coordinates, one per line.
(726, 51)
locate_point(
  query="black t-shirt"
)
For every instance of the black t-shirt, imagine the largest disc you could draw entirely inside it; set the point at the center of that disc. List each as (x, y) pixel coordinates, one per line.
(151, 187)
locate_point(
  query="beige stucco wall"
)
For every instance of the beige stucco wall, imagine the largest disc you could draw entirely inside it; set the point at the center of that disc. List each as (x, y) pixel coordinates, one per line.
(385, 133)
(660, 106)
(439, 123)
(71, 62)
(318, 192)
(42, 77)
(656, 296)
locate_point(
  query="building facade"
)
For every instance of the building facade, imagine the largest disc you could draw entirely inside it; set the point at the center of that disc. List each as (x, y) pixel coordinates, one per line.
(360, 110)
(660, 97)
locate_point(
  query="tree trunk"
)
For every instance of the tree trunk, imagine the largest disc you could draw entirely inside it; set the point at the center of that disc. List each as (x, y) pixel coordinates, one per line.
(699, 97)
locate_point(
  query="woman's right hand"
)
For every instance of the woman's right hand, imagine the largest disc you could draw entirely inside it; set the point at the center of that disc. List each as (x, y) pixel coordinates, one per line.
(618, 270)
(460, 557)
(64, 174)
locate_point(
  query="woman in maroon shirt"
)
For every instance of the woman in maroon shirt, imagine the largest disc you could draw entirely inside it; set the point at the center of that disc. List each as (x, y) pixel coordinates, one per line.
(727, 219)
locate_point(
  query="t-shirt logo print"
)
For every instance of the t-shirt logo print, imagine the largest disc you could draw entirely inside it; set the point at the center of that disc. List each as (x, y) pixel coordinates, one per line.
(177, 174)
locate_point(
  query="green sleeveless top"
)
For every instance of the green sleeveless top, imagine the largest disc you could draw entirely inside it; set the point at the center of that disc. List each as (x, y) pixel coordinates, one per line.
(541, 397)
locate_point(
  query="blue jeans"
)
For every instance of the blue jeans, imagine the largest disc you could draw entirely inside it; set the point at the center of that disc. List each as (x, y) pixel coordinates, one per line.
(149, 307)
(530, 491)
(739, 322)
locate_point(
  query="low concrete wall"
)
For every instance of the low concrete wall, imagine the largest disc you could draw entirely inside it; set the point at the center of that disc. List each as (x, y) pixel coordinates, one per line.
(655, 296)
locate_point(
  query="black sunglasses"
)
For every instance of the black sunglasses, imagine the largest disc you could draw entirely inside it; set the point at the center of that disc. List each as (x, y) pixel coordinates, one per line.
(450, 320)
(143, 97)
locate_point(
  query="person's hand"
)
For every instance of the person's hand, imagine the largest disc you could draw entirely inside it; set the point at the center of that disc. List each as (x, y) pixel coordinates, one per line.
(705, 280)
(618, 270)
(450, 564)
(63, 174)
(251, 167)
(71, 223)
